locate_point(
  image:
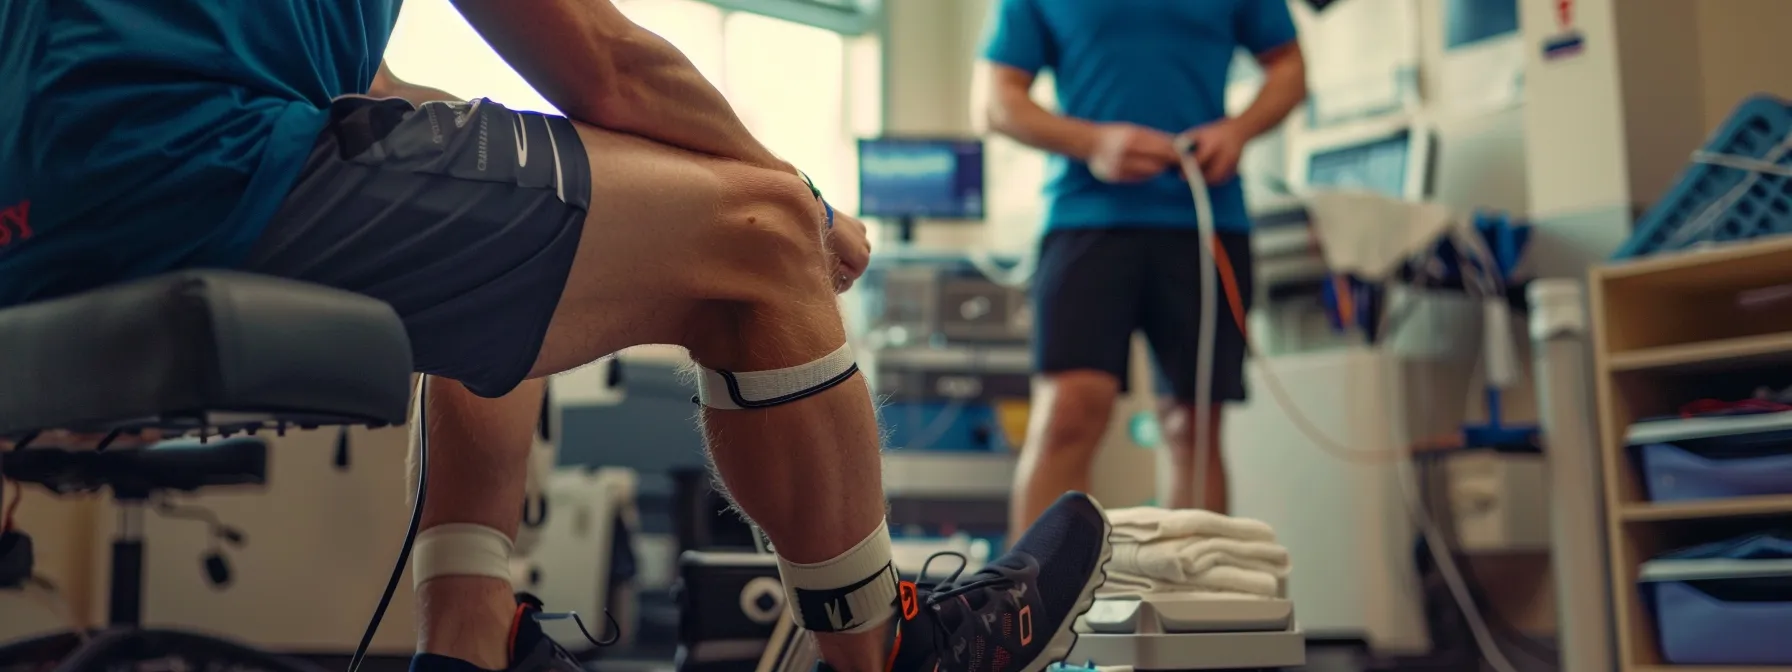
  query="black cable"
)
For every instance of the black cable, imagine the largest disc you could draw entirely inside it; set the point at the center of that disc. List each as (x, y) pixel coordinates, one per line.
(1495, 620)
(1512, 634)
(410, 536)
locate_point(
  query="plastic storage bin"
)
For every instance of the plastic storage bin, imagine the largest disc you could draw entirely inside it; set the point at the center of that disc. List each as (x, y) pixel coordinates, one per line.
(1762, 204)
(1720, 611)
(1717, 467)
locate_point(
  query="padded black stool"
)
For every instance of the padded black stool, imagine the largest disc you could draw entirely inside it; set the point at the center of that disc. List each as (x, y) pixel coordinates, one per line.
(216, 354)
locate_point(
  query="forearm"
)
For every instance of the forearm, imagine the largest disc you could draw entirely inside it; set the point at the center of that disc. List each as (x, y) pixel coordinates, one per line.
(670, 101)
(1284, 87)
(600, 68)
(1016, 115)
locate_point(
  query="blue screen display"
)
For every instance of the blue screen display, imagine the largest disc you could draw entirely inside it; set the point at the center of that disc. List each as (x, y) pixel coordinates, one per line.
(1378, 166)
(916, 177)
(1467, 22)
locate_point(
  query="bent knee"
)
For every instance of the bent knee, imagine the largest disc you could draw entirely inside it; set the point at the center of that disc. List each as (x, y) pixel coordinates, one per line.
(771, 228)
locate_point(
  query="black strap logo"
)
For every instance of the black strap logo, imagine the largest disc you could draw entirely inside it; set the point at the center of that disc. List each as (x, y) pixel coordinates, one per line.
(831, 610)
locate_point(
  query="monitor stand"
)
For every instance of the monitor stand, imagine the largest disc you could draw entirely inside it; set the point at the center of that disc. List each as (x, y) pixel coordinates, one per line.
(903, 234)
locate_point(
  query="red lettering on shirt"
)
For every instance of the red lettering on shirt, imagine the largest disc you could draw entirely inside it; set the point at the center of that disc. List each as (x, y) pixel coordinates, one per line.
(15, 223)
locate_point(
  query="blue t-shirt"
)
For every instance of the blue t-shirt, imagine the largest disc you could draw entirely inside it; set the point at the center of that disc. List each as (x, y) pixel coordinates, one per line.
(1155, 63)
(162, 134)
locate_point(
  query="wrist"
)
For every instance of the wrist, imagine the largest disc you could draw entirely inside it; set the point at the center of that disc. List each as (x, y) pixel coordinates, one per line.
(1082, 143)
(1250, 126)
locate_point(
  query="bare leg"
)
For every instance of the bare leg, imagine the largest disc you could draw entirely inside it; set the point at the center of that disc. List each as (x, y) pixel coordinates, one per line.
(479, 450)
(1071, 412)
(728, 261)
(1179, 431)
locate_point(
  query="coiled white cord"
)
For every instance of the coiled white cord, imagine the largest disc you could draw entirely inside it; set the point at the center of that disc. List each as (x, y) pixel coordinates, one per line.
(1404, 475)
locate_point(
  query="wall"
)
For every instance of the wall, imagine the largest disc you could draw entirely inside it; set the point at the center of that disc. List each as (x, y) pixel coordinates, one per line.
(1679, 85)
(1481, 155)
(1742, 52)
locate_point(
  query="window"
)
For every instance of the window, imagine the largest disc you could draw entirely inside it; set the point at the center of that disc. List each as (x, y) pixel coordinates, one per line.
(433, 46)
(798, 88)
(780, 77)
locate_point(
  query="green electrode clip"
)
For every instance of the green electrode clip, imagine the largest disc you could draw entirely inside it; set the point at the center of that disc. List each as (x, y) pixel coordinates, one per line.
(829, 209)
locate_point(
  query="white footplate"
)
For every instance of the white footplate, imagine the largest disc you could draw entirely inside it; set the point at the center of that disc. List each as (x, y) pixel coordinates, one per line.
(1178, 632)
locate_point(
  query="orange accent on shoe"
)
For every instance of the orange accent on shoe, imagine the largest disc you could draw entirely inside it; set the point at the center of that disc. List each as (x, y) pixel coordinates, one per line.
(1026, 625)
(910, 598)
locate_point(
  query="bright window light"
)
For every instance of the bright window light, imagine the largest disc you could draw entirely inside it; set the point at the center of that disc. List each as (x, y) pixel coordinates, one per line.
(789, 82)
(433, 46)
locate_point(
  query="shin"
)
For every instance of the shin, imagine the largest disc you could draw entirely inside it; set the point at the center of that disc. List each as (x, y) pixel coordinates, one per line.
(1192, 483)
(478, 464)
(803, 464)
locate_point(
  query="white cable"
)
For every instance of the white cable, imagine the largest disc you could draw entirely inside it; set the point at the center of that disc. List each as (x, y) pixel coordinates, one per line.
(1434, 538)
(1209, 317)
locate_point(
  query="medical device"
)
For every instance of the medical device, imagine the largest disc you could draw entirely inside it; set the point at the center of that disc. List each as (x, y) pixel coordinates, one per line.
(906, 179)
(1478, 269)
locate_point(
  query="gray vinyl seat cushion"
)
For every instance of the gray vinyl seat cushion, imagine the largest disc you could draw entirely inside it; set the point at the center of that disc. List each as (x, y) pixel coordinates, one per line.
(197, 349)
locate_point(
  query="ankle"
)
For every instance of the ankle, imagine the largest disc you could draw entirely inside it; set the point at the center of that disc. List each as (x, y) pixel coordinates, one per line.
(856, 651)
(466, 617)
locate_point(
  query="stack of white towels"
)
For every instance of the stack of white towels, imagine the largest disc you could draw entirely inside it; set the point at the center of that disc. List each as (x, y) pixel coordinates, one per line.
(1192, 552)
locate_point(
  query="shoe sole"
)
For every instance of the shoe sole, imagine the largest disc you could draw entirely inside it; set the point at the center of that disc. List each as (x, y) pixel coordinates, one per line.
(1064, 640)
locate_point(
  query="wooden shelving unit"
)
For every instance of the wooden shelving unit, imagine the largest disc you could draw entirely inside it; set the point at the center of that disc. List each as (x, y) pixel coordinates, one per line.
(1667, 331)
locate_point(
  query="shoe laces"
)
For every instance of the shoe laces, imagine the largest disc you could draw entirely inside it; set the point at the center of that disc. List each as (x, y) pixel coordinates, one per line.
(990, 576)
(613, 629)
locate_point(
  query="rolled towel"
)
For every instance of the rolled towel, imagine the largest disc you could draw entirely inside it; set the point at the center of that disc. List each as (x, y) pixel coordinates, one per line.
(1149, 523)
(1219, 581)
(1181, 561)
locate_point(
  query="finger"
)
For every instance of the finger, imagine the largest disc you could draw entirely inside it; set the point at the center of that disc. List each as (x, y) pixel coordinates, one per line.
(1227, 164)
(1217, 170)
(1207, 152)
(1133, 172)
(1161, 149)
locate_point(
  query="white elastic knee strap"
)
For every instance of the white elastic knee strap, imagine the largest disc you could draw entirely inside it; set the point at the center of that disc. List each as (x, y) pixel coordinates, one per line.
(460, 549)
(728, 390)
(854, 592)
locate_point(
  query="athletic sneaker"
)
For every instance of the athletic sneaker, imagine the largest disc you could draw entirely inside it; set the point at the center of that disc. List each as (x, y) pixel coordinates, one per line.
(531, 650)
(1016, 613)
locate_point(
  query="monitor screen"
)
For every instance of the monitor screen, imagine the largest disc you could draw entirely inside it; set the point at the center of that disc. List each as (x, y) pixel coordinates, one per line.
(936, 178)
(1378, 166)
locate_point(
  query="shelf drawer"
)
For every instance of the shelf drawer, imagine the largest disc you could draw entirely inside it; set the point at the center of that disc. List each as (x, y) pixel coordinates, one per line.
(1697, 628)
(1672, 473)
(1717, 610)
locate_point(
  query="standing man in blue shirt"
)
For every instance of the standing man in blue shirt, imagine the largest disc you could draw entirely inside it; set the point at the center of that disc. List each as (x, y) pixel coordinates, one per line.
(1120, 251)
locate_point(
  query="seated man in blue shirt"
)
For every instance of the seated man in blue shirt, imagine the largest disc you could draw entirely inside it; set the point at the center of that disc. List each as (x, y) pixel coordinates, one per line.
(1120, 251)
(139, 137)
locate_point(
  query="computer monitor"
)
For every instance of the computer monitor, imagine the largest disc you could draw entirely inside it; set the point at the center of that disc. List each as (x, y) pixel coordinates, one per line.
(1391, 157)
(910, 178)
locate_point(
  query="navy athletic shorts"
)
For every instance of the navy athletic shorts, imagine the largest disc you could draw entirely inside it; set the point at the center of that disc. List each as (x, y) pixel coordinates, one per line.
(464, 216)
(1094, 287)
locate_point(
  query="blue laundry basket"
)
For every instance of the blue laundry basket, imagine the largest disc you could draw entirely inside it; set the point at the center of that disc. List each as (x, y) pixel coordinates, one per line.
(1754, 130)
(1725, 603)
(1674, 474)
